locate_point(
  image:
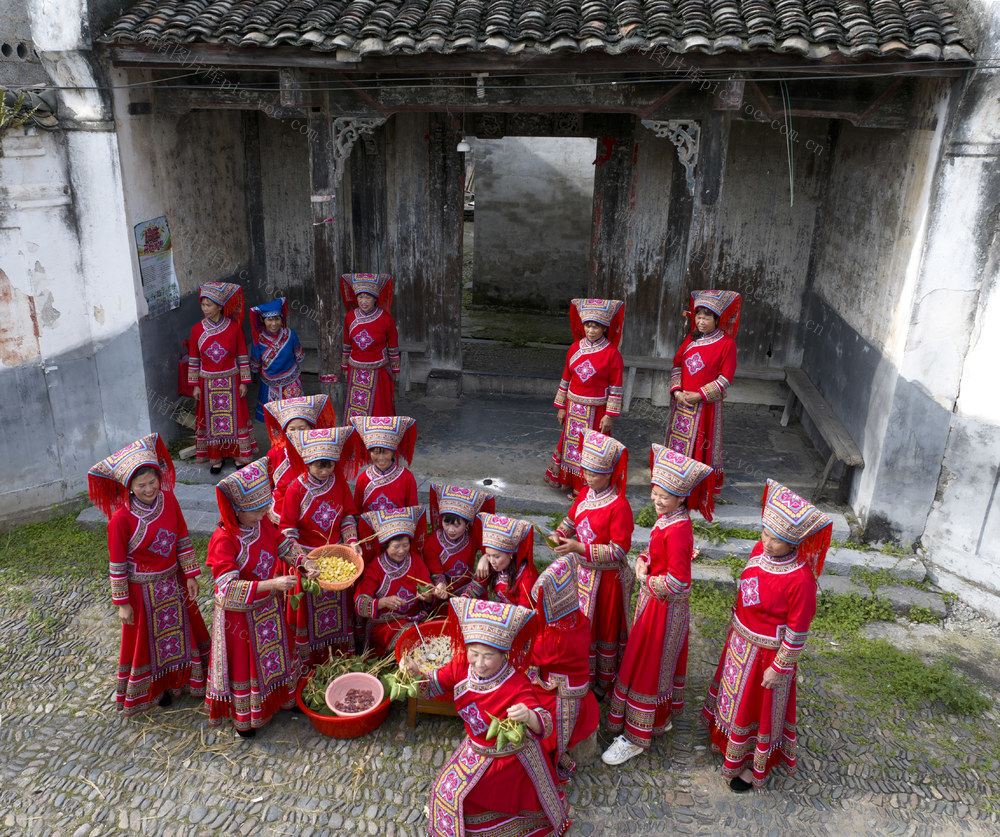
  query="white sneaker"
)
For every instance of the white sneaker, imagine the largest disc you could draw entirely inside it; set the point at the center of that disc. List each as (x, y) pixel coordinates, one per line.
(620, 751)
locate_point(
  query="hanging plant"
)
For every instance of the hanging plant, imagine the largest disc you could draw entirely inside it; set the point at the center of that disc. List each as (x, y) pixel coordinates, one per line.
(11, 115)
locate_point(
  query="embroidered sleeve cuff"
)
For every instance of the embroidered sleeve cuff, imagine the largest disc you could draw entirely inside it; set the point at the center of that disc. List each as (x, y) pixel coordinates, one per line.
(790, 651)
(194, 370)
(290, 552)
(546, 720)
(675, 379)
(567, 528)
(366, 606)
(349, 529)
(614, 405)
(231, 593)
(290, 532)
(255, 366)
(433, 686)
(663, 586)
(715, 390)
(243, 364)
(119, 590)
(560, 402)
(394, 361)
(300, 355)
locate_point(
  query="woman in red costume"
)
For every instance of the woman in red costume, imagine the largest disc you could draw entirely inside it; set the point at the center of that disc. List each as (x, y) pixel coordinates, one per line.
(219, 371)
(304, 412)
(450, 549)
(559, 664)
(386, 594)
(386, 483)
(650, 685)
(154, 577)
(481, 791)
(598, 530)
(590, 392)
(317, 510)
(750, 708)
(253, 673)
(506, 571)
(704, 367)
(370, 354)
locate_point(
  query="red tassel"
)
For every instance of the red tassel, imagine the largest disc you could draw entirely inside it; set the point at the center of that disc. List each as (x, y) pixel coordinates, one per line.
(407, 444)
(520, 649)
(353, 458)
(615, 330)
(106, 494)
(168, 475)
(435, 511)
(813, 549)
(229, 520)
(295, 460)
(619, 476)
(234, 307)
(385, 296)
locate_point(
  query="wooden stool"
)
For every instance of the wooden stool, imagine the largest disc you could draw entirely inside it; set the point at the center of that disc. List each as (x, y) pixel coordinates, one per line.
(428, 707)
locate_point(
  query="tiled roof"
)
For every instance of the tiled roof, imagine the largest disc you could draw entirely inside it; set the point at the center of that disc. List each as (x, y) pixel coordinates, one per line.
(815, 29)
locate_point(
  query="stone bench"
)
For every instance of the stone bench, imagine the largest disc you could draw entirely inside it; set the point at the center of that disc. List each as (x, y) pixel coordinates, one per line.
(831, 428)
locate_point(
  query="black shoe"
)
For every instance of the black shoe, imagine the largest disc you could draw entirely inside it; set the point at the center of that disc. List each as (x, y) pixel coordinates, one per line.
(215, 469)
(246, 733)
(737, 785)
(166, 699)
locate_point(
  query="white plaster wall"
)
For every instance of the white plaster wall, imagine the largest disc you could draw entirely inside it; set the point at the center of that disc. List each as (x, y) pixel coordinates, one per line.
(73, 372)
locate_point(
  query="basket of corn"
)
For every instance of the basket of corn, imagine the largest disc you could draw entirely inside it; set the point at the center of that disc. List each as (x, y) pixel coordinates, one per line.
(339, 566)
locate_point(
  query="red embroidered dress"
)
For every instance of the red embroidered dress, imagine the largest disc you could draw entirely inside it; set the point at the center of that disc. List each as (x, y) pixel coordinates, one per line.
(280, 472)
(370, 362)
(381, 578)
(591, 387)
(707, 366)
(219, 364)
(603, 523)
(253, 673)
(378, 490)
(167, 644)
(480, 791)
(750, 725)
(451, 562)
(650, 684)
(315, 514)
(560, 669)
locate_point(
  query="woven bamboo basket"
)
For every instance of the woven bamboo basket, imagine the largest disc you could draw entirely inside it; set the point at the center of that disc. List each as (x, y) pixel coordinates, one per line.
(345, 552)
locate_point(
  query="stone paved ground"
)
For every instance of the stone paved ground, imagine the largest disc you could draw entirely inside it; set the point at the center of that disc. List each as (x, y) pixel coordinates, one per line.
(70, 766)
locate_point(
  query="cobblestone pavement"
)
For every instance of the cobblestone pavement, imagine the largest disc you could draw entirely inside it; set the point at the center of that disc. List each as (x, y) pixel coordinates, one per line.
(70, 766)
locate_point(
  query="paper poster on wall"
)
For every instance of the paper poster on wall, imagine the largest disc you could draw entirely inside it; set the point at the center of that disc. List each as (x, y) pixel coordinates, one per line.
(156, 266)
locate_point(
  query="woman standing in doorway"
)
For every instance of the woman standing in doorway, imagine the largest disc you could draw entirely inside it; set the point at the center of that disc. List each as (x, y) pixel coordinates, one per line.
(704, 367)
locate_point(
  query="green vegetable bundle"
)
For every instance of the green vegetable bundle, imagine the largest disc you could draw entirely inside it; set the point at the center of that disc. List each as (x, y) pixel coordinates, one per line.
(338, 663)
(505, 731)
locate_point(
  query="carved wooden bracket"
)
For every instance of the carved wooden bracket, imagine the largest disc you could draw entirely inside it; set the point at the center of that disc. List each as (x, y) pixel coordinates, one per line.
(346, 131)
(685, 135)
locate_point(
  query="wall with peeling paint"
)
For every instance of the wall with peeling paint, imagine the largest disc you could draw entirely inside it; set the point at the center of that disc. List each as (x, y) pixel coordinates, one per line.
(70, 359)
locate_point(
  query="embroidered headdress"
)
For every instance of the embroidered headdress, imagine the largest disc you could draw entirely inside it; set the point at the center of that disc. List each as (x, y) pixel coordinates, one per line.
(508, 534)
(724, 304)
(604, 455)
(556, 592)
(391, 523)
(465, 502)
(378, 285)
(227, 295)
(108, 480)
(276, 308)
(787, 516)
(609, 313)
(315, 409)
(339, 444)
(684, 477)
(248, 489)
(398, 433)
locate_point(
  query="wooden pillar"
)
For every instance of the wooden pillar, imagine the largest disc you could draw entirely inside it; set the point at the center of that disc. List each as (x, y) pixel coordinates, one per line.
(423, 233)
(329, 240)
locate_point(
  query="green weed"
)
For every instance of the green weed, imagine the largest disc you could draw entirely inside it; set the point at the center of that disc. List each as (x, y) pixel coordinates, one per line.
(716, 533)
(843, 616)
(57, 548)
(924, 615)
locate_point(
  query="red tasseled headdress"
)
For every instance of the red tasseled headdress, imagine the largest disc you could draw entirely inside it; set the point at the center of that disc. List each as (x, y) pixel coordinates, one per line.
(350, 462)
(108, 480)
(520, 650)
(613, 330)
(276, 428)
(377, 284)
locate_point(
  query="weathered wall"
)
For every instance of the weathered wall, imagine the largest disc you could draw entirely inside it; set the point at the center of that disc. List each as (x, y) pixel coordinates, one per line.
(287, 220)
(70, 358)
(860, 318)
(960, 340)
(533, 208)
(653, 242)
(193, 169)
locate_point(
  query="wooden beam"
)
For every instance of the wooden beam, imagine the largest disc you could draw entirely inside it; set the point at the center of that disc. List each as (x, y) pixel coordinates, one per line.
(257, 58)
